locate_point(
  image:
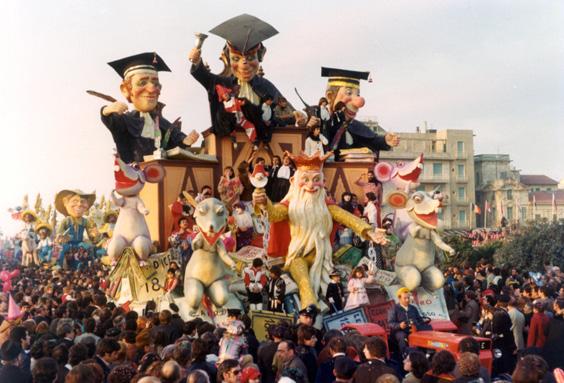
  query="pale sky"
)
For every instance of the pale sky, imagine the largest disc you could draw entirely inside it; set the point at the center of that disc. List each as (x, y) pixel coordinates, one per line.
(495, 67)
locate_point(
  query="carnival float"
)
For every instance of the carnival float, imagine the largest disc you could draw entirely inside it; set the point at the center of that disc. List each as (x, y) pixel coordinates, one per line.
(168, 218)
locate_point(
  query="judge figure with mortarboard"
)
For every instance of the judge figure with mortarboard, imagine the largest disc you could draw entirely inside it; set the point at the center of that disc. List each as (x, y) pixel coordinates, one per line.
(343, 94)
(242, 55)
(140, 132)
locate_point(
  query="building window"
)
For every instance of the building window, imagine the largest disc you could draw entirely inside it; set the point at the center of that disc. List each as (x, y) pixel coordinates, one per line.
(503, 175)
(509, 213)
(461, 193)
(460, 172)
(437, 170)
(510, 194)
(523, 214)
(462, 217)
(478, 178)
(460, 147)
(433, 146)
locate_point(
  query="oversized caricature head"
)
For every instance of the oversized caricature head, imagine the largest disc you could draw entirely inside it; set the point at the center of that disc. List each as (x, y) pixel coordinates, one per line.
(344, 86)
(421, 207)
(74, 203)
(140, 76)
(244, 49)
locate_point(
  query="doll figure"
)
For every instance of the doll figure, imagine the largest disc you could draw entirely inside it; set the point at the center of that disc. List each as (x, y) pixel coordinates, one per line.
(229, 188)
(244, 223)
(335, 294)
(315, 141)
(233, 344)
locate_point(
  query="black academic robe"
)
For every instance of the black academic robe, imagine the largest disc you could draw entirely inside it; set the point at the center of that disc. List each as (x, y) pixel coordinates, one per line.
(219, 118)
(131, 146)
(361, 134)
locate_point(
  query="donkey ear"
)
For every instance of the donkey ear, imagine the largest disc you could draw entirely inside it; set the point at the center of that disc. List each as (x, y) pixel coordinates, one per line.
(383, 171)
(397, 199)
(154, 173)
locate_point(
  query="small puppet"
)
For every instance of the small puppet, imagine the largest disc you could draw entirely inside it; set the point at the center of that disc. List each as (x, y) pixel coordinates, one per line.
(276, 290)
(234, 105)
(356, 286)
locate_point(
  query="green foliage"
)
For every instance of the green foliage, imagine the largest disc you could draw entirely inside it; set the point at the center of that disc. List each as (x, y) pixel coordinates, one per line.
(535, 244)
(465, 253)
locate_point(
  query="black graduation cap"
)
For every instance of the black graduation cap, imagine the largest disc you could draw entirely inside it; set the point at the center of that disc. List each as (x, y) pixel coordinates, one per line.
(342, 77)
(244, 32)
(147, 60)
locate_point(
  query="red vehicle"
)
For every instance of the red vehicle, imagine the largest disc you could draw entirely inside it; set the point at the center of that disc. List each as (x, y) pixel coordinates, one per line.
(368, 330)
(434, 341)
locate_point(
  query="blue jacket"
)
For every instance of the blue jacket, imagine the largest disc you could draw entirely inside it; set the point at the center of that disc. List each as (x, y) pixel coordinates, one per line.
(398, 314)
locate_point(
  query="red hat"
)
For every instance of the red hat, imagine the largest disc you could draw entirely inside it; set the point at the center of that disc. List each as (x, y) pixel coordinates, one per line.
(259, 178)
(249, 373)
(222, 91)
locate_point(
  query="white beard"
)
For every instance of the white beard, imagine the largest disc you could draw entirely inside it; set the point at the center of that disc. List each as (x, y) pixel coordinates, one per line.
(243, 220)
(311, 224)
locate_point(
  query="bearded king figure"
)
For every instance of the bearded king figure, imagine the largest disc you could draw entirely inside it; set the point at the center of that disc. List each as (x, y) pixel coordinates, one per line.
(302, 226)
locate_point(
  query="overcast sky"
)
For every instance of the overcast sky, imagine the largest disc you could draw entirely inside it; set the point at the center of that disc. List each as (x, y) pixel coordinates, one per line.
(495, 67)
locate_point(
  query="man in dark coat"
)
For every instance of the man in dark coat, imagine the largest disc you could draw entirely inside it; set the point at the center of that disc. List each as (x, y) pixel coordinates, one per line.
(11, 370)
(241, 56)
(401, 317)
(375, 352)
(337, 349)
(553, 350)
(266, 352)
(470, 314)
(140, 132)
(502, 337)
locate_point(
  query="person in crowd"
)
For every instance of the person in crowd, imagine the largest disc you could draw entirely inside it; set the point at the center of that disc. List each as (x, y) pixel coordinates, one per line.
(470, 344)
(315, 142)
(402, 317)
(416, 365)
(517, 323)
(469, 368)
(344, 370)
(286, 352)
(335, 294)
(276, 290)
(469, 315)
(337, 349)
(229, 188)
(502, 336)
(442, 368)
(374, 351)
(255, 282)
(537, 329)
(553, 349)
(229, 371)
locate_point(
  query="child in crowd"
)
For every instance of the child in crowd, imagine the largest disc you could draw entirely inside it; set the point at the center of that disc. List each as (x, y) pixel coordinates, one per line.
(276, 290)
(357, 290)
(335, 295)
(255, 282)
(233, 344)
(315, 142)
